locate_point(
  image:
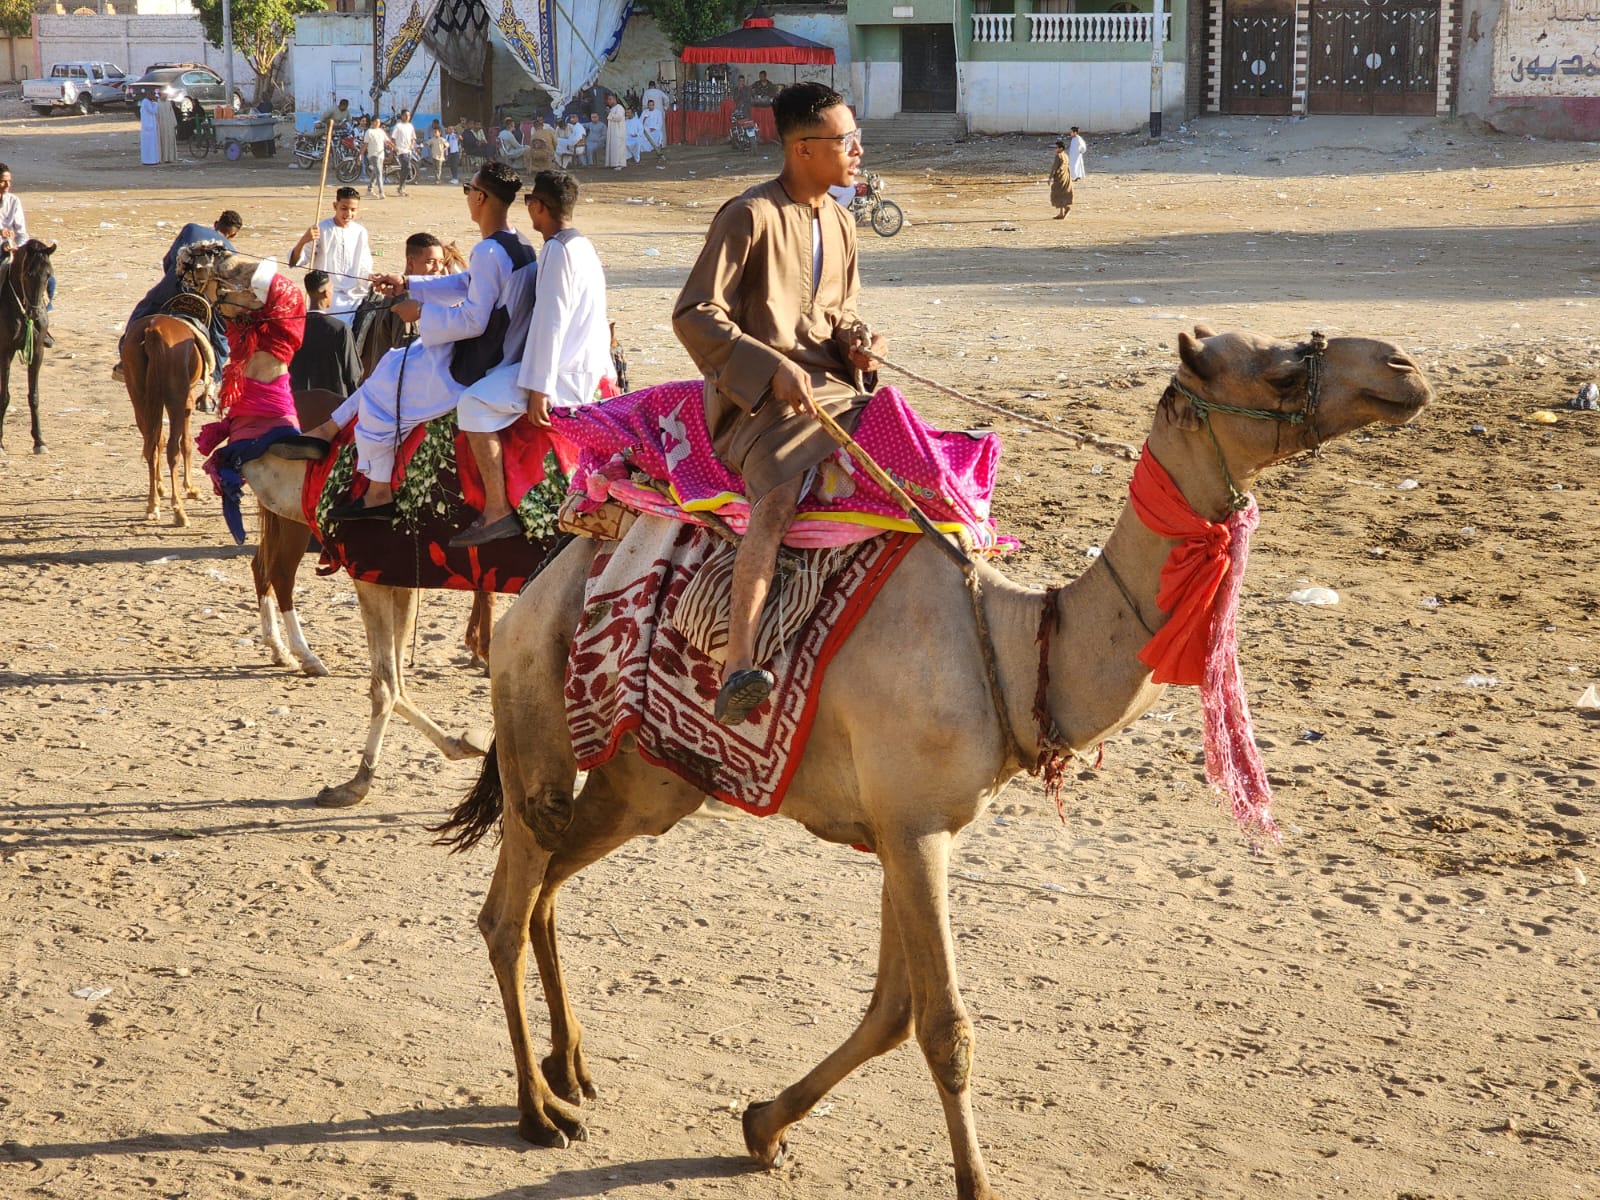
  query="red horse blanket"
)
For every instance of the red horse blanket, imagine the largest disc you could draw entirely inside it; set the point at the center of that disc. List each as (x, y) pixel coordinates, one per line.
(632, 671)
(436, 499)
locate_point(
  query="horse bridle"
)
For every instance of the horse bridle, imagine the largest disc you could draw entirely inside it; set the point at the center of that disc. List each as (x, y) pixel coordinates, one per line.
(21, 258)
(1312, 353)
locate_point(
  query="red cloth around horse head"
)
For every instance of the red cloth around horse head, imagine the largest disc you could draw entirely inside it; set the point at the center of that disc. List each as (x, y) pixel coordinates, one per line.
(278, 327)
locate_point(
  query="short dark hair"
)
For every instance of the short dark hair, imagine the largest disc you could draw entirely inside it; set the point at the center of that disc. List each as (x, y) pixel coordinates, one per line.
(421, 241)
(801, 105)
(557, 191)
(4, 170)
(317, 281)
(500, 181)
(346, 193)
(229, 220)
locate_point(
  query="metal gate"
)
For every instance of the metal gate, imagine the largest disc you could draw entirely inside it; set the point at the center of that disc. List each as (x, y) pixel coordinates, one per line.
(927, 69)
(1374, 56)
(1258, 62)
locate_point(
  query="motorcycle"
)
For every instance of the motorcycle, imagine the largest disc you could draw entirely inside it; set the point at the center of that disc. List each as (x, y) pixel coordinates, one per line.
(870, 208)
(744, 135)
(344, 159)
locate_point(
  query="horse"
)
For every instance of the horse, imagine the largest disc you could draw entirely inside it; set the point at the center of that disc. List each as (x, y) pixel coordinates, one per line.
(164, 368)
(24, 294)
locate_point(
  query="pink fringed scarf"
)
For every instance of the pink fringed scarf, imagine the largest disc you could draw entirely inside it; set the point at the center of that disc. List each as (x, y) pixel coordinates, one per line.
(1199, 644)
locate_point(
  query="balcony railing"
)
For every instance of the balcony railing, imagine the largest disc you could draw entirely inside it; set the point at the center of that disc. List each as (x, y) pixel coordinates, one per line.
(992, 27)
(1092, 27)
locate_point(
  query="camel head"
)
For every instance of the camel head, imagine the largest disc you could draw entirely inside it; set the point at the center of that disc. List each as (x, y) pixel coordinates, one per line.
(1253, 401)
(224, 278)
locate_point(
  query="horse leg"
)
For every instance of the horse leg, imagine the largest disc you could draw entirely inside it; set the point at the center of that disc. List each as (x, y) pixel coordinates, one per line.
(886, 1024)
(33, 399)
(289, 542)
(480, 626)
(177, 432)
(5, 395)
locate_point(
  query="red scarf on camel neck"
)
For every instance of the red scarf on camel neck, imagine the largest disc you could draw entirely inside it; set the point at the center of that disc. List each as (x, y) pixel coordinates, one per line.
(278, 327)
(1199, 644)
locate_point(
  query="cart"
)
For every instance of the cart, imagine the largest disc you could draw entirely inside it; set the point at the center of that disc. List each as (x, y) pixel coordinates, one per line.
(257, 133)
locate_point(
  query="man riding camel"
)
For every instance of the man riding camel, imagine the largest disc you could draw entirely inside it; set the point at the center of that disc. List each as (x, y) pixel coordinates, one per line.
(769, 316)
(468, 324)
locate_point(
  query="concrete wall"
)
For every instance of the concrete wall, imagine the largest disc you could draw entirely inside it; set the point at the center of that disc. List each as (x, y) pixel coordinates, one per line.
(133, 43)
(1524, 66)
(1049, 97)
(332, 60)
(16, 59)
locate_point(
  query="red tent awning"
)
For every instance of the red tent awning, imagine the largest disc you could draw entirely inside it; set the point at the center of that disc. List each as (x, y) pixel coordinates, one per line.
(759, 41)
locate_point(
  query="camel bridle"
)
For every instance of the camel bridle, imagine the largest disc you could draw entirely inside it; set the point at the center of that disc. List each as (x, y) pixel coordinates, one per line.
(1311, 353)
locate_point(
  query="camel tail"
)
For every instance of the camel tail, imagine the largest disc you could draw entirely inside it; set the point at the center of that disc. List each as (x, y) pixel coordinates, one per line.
(478, 812)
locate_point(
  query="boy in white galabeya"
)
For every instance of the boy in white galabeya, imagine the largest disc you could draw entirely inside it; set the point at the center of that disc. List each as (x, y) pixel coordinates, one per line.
(340, 247)
(467, 325)
(568, 351)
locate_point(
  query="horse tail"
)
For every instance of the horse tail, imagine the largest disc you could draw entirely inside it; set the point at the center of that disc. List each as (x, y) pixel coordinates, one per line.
(478, 812)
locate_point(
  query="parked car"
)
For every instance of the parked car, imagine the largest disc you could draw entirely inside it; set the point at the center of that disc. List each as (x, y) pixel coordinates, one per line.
(77, 87)
(179, 82)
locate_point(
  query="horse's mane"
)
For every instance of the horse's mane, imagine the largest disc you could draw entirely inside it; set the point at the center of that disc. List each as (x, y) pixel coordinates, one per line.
(454, 261)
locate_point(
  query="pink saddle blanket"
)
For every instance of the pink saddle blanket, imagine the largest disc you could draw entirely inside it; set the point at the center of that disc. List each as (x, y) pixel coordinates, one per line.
(661, 433)
(633, 670)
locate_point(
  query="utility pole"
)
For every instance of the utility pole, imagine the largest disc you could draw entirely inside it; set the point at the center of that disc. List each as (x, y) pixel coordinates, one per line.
(1157, 50)
(227, 48)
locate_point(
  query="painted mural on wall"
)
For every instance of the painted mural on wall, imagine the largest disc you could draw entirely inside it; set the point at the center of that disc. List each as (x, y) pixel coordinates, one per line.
(1548, 48)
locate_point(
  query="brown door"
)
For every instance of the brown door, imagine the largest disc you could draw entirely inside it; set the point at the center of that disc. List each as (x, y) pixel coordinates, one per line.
(1374, 56)
(927, 69)
(1258, 61)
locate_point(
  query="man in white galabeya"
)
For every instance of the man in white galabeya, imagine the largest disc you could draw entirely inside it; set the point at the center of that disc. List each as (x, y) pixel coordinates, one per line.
(339, 246)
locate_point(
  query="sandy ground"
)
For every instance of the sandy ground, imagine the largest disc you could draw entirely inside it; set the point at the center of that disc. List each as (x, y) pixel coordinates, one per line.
(1400, 1003)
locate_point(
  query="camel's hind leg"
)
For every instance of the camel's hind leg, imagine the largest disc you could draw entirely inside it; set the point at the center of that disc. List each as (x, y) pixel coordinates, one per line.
(887, 1024)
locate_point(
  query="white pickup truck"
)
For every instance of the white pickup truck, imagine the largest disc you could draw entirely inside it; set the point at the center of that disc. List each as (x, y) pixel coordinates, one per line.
(77, 87)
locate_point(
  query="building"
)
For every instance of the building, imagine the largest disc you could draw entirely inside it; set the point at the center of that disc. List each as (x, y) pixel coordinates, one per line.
(997, 66)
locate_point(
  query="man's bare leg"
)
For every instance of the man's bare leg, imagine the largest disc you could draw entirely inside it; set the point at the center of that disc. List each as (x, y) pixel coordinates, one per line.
(486, 452)
(754, 561)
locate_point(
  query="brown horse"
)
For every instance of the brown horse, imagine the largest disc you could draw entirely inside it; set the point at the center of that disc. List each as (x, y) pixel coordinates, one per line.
(24, 294)
(164, 367)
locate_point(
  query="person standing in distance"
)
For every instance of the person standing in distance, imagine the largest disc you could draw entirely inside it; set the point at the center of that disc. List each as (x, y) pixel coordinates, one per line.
(339, 246)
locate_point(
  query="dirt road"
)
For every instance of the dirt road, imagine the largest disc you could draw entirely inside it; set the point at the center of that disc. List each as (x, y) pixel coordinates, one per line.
(210, 988)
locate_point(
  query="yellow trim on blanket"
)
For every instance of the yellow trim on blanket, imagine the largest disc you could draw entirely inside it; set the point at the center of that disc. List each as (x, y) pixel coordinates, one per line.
(898, 524)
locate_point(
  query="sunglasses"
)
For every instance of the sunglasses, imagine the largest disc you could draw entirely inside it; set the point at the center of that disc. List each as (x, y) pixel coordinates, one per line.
(468, 188)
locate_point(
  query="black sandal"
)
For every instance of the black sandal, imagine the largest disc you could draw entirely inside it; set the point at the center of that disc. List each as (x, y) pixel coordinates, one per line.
(743, 692)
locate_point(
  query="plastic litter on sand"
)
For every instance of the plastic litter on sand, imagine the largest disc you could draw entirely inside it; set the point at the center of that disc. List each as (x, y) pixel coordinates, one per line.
(1319, 597)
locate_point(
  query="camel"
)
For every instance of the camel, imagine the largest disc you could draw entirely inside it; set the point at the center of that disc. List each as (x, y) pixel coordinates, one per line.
(388, 613)
(901, 779)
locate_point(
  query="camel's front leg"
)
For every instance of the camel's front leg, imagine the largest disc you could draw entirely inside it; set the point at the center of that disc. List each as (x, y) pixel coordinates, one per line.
(387, 614)
(916, 880)
(887, 1024)
(470, 743)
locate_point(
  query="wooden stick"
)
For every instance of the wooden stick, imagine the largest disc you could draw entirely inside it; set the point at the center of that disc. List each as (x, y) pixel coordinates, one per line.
(327, 153)
(881, 477)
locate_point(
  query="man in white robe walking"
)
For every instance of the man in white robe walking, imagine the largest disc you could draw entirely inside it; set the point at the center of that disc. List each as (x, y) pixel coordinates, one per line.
(567, 355)
(1076, 147)
(482, 310)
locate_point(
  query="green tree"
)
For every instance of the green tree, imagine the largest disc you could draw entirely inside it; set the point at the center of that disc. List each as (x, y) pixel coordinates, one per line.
(262, 31)
(687, 21)
(16, 17)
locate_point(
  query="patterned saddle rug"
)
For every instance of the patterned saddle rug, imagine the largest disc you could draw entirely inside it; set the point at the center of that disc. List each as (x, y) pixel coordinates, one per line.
(438, 491)
(645, 657)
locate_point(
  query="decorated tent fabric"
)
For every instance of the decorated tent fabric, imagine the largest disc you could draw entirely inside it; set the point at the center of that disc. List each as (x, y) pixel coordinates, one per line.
(561, 44)
(436, 500)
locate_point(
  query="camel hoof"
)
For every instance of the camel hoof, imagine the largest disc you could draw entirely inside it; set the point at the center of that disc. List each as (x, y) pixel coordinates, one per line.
(572, 1084)
(346, 795)
(547, 1133)
(312, 666)
(770, 1153)
(193, 493)
(478, 740)
(180, 521)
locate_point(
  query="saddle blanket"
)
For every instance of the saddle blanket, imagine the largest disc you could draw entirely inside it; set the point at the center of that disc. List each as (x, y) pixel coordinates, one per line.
(438, 491)
(633, 670)
(660, 433)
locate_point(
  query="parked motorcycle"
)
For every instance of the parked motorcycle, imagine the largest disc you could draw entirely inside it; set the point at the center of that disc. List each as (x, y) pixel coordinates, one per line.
(744, 135)
(870, 208)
